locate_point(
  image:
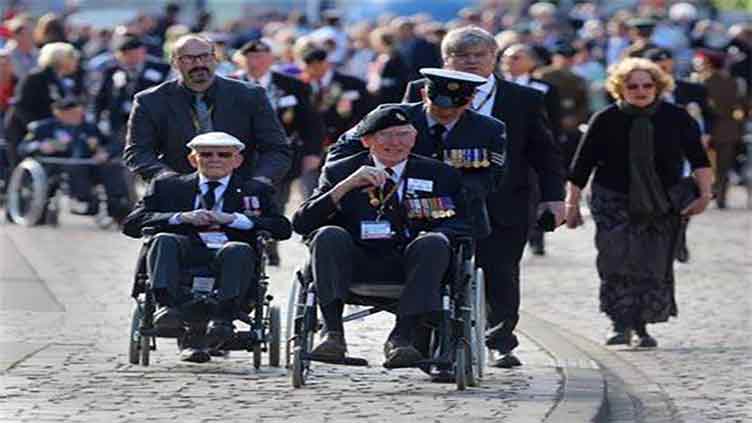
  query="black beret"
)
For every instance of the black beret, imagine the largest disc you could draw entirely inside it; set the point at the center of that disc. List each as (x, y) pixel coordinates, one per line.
(256, 46)
(315, 54)
(129, 42)
(65, 103)
(383, 117)
(658, 54)
(450, 88)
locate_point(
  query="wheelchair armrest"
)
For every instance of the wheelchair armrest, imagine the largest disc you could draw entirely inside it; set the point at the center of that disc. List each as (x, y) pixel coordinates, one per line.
(149, 231)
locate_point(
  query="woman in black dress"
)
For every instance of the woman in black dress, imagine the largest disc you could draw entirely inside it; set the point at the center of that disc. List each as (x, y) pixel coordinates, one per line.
(636, 148)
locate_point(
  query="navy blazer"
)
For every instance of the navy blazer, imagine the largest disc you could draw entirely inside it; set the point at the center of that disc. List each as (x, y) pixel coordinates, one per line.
(171, 194)
(354, 207)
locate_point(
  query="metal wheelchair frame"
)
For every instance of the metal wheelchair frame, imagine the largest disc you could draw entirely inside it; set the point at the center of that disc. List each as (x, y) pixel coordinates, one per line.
(458, 348)
(30, 199)
(264, 319)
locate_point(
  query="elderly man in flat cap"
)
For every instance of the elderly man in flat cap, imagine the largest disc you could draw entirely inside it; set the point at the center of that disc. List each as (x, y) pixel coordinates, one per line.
(208, 217)
(389, 216)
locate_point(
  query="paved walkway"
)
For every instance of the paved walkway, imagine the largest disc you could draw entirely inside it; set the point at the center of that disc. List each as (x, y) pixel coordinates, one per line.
(64, 308)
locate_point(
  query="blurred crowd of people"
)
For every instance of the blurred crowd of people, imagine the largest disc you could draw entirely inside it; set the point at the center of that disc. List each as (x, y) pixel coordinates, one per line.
(350, 67)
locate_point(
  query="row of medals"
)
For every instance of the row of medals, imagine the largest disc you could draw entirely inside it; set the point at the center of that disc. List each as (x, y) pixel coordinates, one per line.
(420, 208)
(467, 157)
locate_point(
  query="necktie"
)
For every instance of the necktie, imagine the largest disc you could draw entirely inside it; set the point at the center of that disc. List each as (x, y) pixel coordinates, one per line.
(437, 133)
(210, 198)
(203, 121)
(393, 207)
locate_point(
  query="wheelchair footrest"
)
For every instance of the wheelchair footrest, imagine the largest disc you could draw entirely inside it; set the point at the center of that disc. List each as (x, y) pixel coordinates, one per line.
(244, 340)
(347, 361)
(438, 363)
(163, 332)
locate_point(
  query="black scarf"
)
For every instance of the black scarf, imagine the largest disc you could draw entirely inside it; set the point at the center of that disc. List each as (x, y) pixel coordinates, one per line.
(647, 197)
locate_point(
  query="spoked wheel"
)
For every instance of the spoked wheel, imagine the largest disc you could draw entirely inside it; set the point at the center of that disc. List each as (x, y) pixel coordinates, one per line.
(305, 327)
(460, 366)
(257, 356)
(27, 193)
(479, 338)
(274, 336)
(293, 304)
(145, 350)
(134, 344)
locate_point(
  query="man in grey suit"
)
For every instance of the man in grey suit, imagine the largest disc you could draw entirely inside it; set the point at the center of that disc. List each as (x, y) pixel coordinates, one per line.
(164, 118)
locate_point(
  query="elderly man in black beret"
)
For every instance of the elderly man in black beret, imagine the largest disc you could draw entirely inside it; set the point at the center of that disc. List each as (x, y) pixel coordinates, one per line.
(382, 215)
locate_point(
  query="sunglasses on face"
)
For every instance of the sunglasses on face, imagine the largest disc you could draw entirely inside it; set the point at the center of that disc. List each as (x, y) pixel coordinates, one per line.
(646, 86)
(221, 154)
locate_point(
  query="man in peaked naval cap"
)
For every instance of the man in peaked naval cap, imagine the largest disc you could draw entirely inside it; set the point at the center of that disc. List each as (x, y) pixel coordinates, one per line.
(206, 218)
(390, 216)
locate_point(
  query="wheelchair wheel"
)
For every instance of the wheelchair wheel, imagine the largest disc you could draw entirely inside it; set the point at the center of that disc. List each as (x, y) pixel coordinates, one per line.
(306, 324)
(292, 305)
(274, 336)
(27, 193)
(257, 356)
(145, 350)
(134, 344)
(460, 366)
(479, 338)
(298, 372)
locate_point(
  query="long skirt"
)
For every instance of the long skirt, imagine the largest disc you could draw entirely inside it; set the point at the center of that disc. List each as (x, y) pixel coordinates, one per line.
(635, 261)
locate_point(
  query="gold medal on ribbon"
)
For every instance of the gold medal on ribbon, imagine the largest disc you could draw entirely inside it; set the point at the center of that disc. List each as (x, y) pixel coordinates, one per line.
(485, 161)
(372, 200)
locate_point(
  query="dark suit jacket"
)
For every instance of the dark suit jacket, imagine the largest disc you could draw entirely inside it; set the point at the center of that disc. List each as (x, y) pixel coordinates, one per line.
(354, 207)
(116, 92)
(552, 104)
(171, 194)
(471, 131)
(689, 92)
(35, 94)
(394, 79)
(302, 123)
(334, 122)
(529, 145)
(160, 126)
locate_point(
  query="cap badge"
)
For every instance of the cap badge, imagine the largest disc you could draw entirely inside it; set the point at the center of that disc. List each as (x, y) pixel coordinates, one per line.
(453, 86)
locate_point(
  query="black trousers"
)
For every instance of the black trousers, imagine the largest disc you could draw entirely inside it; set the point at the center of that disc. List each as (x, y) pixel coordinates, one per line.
(82, 178)
(233, 264)
(499, 256)
(337, 262)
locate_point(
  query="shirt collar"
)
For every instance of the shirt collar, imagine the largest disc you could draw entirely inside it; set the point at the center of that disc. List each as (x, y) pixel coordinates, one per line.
(398, 168)
(265, 80)
(487, 86)
(202, 180)
(431, 122)
(326, 79)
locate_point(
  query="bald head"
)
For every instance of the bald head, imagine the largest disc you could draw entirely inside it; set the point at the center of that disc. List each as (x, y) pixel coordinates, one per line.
(193, 57)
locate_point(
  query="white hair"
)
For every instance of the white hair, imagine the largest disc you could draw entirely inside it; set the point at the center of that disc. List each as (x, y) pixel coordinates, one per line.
(52, 54)
(682, 12)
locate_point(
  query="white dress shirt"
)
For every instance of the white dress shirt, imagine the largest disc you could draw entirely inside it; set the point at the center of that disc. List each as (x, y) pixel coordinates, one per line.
(483, 92)
(241, 221)
(396, 174)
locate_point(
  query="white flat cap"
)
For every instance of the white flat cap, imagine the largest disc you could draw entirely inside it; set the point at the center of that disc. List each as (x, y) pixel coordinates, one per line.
(215, 139)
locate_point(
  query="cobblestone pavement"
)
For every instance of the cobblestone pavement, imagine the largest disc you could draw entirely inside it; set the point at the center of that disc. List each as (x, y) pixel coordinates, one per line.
(74, 335)
(704, 358)
(76, 367)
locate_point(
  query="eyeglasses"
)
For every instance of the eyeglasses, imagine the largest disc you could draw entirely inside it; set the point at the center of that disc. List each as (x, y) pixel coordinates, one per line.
(646, 86)
(188, 59)
(221, 154)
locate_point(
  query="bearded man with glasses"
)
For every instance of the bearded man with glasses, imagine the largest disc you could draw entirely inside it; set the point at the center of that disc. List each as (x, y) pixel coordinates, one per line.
(164, 118)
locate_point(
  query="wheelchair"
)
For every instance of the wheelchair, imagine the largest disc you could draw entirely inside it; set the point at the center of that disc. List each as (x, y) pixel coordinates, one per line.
(34, 191)
(457, 345)
(263, 319)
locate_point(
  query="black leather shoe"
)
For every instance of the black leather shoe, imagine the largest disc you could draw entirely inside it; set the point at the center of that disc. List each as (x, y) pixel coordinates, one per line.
(332, 348)
(400, 354)
(682, 254)
(507, 361)
(219, 331)
(620, 337)
(646, 341)
(195, 355)
(168, 318)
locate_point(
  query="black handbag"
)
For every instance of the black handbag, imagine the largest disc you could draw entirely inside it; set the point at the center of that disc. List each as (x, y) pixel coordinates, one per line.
(683, 193)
